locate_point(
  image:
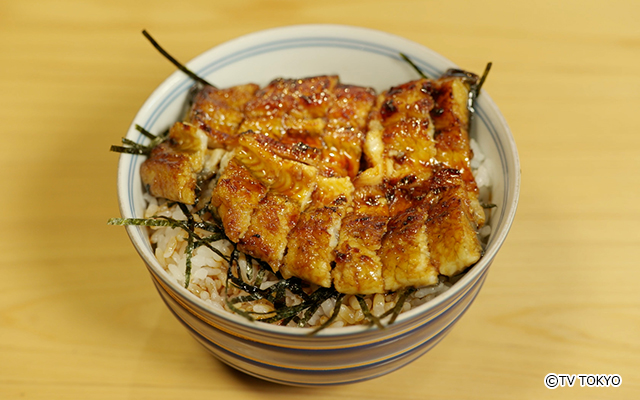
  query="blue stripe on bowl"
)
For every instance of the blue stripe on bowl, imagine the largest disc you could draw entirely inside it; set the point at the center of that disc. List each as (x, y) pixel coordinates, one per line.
(308, 353)
(360, 378)
(345, 43)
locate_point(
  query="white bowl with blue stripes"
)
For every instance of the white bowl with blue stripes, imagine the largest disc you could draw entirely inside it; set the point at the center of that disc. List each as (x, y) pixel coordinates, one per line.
(335, 355)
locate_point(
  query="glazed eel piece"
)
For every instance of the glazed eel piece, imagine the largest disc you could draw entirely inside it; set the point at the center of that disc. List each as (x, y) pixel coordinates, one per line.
(291, 190)
(421, 212)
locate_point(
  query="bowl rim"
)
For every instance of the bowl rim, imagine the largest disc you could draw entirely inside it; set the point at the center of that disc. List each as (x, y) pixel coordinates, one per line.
(327, 31)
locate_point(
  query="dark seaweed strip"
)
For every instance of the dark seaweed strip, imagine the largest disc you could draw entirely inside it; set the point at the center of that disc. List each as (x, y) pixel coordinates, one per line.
(190, 240)
(395, 311)
(176, 223)
(245, 299)
(185, 210)
(247, 287)
(205, 209)
(210, 239)
(286, 321)
(131, 143)
(217, 232)
(278, 287)
(295, 286)
(155, 142)
(144, 222)
(418, 70)
(250, 267)
(238, 311)
(129, 150)
(474, 91)
(146, 132)
(264, 265)
(325, 295)
(233, 259)
(386, 313)
(314, 302)
(238, 282)
(210, 227)
(367, 313)
(218, 252)
(155, 139)
(194, 241)
(174, 61)
(277, 294)
(478, 86)
(138, 149)
(235, 254)
(334, 315)
(170, 222)
(286, 313)
(215, 237)
(165, 221)
(189, 253)
(260, 277)
(289, 312)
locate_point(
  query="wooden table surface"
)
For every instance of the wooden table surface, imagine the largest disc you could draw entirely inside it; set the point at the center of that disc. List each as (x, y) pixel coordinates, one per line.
(80, 319)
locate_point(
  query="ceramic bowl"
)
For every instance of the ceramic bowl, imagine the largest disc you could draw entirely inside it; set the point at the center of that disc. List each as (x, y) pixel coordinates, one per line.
(334, 355)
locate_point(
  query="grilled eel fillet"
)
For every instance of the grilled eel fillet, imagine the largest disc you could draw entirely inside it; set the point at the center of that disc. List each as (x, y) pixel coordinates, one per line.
(418, 146)
(175, 167)
(311, 243)
(219, 112)
(294, 194)
(289, 184)
(319, 112)
(172, 169)
(358, 268)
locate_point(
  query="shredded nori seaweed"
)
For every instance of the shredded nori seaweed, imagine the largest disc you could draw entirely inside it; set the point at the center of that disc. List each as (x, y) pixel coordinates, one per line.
(474, 91)
(397, 309)
(131, 147)
(334, 315)
(193, 239)
(415, 67)
(311, 299)
(175, 62)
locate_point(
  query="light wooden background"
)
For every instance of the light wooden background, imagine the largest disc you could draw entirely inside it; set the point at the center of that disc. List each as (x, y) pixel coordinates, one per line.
(79, 318)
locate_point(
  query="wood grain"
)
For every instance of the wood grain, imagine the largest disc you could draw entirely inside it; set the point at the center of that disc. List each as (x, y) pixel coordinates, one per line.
(79, 317)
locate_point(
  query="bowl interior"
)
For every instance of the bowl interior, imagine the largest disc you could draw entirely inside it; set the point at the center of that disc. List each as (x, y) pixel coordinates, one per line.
(359, 56)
